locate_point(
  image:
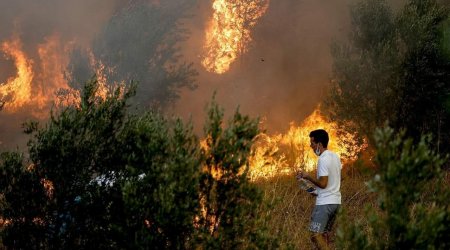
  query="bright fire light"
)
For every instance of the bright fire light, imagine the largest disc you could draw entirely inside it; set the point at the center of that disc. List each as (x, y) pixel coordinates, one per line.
(286, 153)
(37, 85)
(16, 91)
(229, 31)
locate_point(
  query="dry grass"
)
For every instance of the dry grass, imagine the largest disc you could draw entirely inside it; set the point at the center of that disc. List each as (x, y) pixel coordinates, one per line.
(290, 207)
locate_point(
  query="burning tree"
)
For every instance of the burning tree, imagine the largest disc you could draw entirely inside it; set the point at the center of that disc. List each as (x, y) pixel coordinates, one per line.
(228, 34)
(16, 91)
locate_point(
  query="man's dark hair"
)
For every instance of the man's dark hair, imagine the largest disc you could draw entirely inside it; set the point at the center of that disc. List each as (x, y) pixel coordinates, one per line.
(320, 135)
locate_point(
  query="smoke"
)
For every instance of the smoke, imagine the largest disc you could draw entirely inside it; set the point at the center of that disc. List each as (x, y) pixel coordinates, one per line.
(46, 30)
(67, 42)
(284, 75)
(33, 21)
(141, 43)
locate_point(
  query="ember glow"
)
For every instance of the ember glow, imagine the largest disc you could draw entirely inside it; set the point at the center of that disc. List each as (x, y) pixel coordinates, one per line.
(286, 153)
(228, 34)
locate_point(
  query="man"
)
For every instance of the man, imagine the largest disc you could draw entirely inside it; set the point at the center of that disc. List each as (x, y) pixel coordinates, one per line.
(328, 182)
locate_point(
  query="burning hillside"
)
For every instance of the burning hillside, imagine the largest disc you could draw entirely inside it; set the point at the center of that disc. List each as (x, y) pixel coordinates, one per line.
(51, 57)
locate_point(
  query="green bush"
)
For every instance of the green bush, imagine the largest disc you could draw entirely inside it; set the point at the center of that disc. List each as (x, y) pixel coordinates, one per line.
(413, 211)
(394, 68)
(130, 181)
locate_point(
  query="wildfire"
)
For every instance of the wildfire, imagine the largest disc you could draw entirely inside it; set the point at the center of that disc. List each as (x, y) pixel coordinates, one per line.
(229, 31)
(100, 69)
(53, 60)
(16, 91)
(285, 153)
(39, 84)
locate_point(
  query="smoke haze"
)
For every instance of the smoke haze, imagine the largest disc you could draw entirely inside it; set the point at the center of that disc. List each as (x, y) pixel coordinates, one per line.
(282, 78)
(35, 23)
(285, 73)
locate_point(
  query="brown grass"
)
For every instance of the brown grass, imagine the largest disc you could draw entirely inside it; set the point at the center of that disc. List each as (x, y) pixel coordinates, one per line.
(290, 207)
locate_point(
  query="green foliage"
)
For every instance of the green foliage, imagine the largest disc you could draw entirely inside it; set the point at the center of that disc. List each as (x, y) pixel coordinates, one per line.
(414, 212)
(141, 42)
(393, 69)
(23, 200)
(161, 192)
(229, 201)
(445, 34)
(120, 181)
(362, 94)
(425, 82)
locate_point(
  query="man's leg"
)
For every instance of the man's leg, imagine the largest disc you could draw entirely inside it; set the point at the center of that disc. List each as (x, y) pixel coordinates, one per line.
(332, 211)
(322, 219)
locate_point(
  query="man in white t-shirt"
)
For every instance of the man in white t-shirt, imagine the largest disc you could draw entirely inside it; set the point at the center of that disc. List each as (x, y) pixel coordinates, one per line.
(328, 182)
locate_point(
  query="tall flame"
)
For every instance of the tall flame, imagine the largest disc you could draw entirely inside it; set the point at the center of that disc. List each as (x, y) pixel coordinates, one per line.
(286, 153)
(229, 31)
(53, 59)
(16, 91)
(100, 73)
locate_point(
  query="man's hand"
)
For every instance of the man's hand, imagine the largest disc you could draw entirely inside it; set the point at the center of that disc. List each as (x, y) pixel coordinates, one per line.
(322, 182)
(302, 174)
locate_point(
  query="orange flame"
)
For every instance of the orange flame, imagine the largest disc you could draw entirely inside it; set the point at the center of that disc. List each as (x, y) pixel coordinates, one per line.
(100, 69)
(51, 79)
(283, 154)
(37, 84)
(229, 31)
(286, 153)
(16, 91)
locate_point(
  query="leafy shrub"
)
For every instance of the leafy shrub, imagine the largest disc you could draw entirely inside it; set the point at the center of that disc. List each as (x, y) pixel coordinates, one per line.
(99, 177)
(413, 211)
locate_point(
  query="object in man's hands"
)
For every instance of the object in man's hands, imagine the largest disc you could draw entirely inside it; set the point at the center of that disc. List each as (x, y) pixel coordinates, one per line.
(307, 186)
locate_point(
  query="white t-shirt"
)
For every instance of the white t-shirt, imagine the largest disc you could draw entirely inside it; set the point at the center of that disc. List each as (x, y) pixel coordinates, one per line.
(329, 165)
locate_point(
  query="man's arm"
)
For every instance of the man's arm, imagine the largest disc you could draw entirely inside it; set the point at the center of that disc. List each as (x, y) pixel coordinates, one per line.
(322, 182)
